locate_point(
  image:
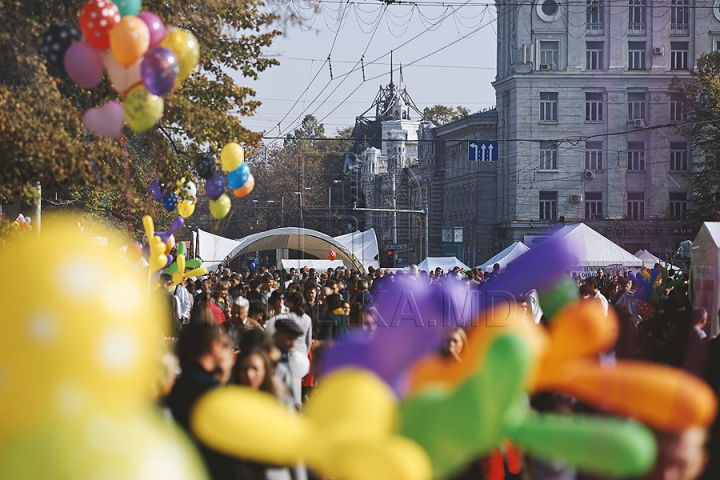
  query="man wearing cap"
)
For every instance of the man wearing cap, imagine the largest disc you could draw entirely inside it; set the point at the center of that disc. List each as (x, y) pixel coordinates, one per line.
(287, 331)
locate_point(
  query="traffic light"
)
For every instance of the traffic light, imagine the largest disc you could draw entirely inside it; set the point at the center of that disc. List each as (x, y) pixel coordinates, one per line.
(389, 253)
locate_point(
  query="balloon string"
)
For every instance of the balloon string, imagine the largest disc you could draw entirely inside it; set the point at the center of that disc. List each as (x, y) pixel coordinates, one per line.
(128, 197)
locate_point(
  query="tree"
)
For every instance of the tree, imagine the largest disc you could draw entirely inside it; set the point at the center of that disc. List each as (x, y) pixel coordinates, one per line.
(309, 131)
(41, 132)
(700, 101)
(441, 114)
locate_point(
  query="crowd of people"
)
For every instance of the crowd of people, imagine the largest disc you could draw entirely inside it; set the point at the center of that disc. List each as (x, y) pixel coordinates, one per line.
(267, 330)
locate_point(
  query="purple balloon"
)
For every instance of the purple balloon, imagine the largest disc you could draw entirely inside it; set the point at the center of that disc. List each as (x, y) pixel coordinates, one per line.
(169, 261)
(155, 190)
(633, 277)
(176, 225)
(146, 251)
(158, 70)
(84, 64)
(155, 26)
(215, 187)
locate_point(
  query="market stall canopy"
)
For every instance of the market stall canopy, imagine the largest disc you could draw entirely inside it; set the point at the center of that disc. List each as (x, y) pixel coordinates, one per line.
(213, 248)
(363, 245)
(505, 257)
(649, 260)
(704, 276)
(594, 250)
(320, 266)
(305, 240)
(446, 263)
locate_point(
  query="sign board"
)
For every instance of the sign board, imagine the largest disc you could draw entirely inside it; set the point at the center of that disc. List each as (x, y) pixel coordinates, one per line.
(397, 246)
(482, 151)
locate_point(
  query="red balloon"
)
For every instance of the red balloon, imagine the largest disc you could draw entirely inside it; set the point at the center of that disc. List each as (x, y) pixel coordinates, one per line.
(331, 255)
(644, 309)
(133, 253)
(97, 18)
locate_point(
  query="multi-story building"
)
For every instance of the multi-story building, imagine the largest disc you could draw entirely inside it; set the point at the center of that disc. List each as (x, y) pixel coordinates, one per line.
(586, 121)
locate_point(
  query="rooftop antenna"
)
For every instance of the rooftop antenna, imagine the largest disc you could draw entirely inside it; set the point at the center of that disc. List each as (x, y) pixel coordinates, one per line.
(392, 85)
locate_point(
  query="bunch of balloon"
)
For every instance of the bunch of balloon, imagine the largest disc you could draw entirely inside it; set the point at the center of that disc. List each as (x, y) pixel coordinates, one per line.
(142, 60)
(22, 222)
(214, 185)
(238, 172)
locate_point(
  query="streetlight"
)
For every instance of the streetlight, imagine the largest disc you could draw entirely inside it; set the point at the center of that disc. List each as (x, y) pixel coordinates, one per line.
(300, 194)
(255, 202)
(342, 194)
(282, 210)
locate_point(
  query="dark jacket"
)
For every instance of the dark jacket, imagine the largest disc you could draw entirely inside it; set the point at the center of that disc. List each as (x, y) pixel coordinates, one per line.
(189, 387)
(333, 327)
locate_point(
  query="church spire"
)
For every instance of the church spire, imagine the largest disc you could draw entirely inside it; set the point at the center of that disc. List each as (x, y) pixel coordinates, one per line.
(392, 85)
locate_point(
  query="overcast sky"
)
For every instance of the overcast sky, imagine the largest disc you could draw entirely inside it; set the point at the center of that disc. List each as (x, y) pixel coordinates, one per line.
(447, 54)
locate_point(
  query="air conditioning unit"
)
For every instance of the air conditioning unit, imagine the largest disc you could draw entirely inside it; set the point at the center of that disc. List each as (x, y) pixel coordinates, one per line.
(659, 50)
(576, 198)
(589, 174)
(546, 66)
(639, 122)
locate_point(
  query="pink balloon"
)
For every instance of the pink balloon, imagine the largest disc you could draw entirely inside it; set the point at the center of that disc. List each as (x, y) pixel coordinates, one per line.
(106, 121)
(155, 25)
(84, 64)
(122, 79)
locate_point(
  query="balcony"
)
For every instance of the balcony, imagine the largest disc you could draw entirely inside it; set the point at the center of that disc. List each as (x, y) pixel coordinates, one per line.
(637, 28)
(679, 29)
(595, 29)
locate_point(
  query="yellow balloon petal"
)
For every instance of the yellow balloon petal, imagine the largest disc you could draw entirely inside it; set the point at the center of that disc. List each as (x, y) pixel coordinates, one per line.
(231, 156)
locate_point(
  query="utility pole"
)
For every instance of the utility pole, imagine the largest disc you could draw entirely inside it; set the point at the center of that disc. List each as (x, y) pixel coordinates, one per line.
(394, 218)
(328, 224)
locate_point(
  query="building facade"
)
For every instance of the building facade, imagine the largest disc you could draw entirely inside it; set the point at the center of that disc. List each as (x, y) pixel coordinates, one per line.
(586, 122)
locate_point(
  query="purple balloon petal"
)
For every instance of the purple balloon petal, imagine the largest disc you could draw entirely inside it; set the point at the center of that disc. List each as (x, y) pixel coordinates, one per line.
(215, 187)
(169, 262)
(158, 70)
(155, 189)
(633, 277)
(146, 251)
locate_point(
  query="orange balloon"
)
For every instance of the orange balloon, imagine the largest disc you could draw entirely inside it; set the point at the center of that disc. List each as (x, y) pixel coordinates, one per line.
(245, 189)
(129, 40)
(170, 244)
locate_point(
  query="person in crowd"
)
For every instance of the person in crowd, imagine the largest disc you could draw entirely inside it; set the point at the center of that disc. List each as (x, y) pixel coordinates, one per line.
(454, 344)
(681, 455)
(206, 360)
(254, 294)
(276, 304)
(206, 311)
(286, 333)
(257, 314)
(599, 297)
(240, 322)
(312, 304)
(185, 301)
(335, 323)
(697, 346)
(221, 297)
(611, 288)
(362, 295)
(173, 305)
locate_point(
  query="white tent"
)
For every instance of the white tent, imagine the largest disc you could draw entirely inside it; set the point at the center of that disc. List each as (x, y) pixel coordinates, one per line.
(320, 266)
(213, 248)
(704, 277)
(595, 251)
(446, 263)
(505, 257)
(363, 245)
(649, 260)
(309, 241)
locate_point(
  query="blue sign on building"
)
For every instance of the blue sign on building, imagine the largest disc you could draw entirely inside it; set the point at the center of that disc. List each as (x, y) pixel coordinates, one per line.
(483, 151)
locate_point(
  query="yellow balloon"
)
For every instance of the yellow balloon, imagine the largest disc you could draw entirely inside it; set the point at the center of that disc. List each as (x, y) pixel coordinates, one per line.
(186, 208)
(129, 40)
(186, 48)
(219, 208)
(93, 445)
(86, 341)
(231, 156)
(142, 109)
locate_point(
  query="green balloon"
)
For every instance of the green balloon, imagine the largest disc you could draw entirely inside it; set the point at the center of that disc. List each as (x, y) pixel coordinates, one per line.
(128, 7)
(195, 263)
(173, 268)
(181, 249)
(454, 427)
(605, 446)
(554, 298)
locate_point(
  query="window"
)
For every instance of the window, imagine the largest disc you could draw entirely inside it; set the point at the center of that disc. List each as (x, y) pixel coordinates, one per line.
(548, 205)
(549, 55)
(548, 156)
(594, 55)
(593, 107)
(679, 17)
(548, 10)
(636, 106)
(678, 157)
(636, 206)
(636, 55)
(677, 108)
(548, 106)
(636, 156)
(593, 205)
(678, 55)
(678, 205)
(636, 20)
(593, 156)
(595, 18)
